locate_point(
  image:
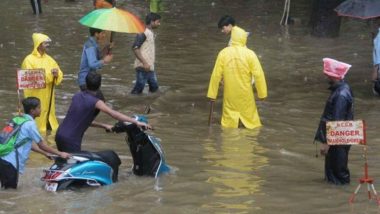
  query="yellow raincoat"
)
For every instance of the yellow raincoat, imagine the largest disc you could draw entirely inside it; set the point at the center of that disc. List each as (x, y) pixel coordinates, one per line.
(37, 61)
(238, 66)
(235, 32)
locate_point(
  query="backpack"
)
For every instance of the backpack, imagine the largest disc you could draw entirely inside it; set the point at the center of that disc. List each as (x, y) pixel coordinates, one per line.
(9, 135)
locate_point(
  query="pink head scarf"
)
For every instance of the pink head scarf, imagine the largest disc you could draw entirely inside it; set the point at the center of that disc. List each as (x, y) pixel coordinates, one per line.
(334, 68)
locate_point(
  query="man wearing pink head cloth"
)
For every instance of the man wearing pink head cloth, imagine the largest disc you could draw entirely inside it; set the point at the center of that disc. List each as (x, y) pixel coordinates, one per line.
(339, 106)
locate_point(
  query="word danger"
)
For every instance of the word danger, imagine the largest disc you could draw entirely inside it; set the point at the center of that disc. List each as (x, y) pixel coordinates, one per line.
(345, 132)
(31, 79)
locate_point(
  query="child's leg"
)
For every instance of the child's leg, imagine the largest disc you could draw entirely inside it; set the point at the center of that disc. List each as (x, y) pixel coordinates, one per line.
(8, 175)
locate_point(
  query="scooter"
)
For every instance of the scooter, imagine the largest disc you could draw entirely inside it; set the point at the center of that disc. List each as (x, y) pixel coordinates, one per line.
(147, 153)
(101, 168)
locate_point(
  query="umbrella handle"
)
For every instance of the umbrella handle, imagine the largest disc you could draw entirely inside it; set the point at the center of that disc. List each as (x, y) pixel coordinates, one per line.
(109, 51)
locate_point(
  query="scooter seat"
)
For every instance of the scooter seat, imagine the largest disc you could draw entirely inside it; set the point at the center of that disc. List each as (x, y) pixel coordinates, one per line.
(88, 155)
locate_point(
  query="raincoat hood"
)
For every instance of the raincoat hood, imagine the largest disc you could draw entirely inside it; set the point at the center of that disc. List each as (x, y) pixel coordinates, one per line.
(39, 38)
(238, 36)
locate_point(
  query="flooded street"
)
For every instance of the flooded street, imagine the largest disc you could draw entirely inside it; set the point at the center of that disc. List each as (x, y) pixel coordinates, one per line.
(268, 170)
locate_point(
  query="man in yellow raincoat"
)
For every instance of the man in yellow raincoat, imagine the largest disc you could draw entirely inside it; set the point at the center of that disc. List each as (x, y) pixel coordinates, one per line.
(39, 59)
(227, 25)
(237, 66)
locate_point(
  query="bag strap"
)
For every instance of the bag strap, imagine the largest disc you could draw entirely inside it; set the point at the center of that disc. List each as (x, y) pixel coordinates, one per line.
(21, 143)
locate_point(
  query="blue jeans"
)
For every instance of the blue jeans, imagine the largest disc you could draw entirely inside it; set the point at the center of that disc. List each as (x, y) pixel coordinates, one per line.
(142, 77)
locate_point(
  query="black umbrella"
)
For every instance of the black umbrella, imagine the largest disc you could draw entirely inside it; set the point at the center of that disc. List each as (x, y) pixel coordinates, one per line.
(362, 9)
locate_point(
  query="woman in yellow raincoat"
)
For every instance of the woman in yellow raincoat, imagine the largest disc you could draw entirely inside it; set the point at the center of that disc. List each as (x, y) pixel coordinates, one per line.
(39, 59)
(238, 66)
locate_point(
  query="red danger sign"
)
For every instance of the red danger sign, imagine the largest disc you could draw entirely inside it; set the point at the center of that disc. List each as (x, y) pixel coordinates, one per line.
(349, 132)
(31, 79)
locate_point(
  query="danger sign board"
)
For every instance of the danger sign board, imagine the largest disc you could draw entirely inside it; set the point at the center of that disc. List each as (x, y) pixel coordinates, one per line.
(31, 79)
(349, 132)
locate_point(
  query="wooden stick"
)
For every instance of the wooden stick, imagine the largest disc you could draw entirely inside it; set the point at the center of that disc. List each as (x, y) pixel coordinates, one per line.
(51, 99)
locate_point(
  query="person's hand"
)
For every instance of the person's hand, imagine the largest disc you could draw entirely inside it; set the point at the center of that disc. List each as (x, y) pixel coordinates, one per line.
(108, 128)
(107, 58)
(54, 71)
(324, 149)
(143, 125)
(64, 155)
(146, 66)
(48, 156)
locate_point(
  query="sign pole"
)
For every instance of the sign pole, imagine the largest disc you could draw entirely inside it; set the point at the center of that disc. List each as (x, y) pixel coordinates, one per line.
(18, 95)
(366, 179)
(19, 102)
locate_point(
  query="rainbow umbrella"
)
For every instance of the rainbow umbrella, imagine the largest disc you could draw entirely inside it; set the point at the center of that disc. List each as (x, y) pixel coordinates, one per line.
(113, 19)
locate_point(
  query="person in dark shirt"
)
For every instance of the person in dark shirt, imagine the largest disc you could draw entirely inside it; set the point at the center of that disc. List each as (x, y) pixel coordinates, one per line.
(82, 112)
(339, 106)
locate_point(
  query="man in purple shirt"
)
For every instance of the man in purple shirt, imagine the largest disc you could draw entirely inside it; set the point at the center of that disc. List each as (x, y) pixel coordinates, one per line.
(82, 112)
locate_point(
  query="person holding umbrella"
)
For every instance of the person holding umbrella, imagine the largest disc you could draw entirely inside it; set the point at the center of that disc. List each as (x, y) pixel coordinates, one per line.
(99, 21)
(91, 60)
(39, 59)
(105, 45)
(366, 10)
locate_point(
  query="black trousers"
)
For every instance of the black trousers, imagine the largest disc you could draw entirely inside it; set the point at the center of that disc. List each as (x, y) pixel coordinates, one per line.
(8, 175)
(36, 5)
(336, 161)
(64, 145)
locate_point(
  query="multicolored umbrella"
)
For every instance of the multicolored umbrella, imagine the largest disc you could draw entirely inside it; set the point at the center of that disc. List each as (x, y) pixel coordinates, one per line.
(362, 9)
(113, 19)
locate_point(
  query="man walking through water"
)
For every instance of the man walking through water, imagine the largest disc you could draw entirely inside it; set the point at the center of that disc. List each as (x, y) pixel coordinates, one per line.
(237, 66)
(339, 106)
(39, 59)
(144, 49)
